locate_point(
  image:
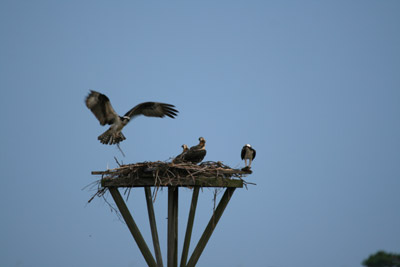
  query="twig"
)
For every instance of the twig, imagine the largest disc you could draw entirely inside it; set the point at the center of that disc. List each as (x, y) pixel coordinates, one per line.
(122, 152)
(116, 160)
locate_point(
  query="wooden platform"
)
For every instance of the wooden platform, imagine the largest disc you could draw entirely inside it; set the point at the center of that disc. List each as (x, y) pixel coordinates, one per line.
(173, 176)
(209, 174)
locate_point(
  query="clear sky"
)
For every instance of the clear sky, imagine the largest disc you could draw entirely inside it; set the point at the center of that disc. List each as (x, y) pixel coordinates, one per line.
(313, 86)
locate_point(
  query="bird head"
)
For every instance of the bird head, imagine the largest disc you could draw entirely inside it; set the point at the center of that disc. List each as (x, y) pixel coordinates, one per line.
(248, 145)
(202, 141)
(185, 147)
(125, 120)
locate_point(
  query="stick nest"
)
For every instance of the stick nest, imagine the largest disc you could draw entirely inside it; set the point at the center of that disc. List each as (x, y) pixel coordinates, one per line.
(166, 173)
(160, 174)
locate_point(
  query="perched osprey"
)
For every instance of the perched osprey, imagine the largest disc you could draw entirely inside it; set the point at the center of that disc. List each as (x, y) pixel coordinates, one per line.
(196, 153)
(101, 107)
(248, 153)
(179, 158)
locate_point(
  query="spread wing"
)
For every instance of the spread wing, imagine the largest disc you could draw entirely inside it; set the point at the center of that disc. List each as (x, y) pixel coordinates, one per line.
(153, 109)
(101, 107)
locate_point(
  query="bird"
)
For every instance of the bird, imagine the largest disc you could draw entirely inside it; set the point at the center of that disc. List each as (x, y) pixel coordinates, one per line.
(101, 107)
(248, 153)
(196, 153)
(179, 158)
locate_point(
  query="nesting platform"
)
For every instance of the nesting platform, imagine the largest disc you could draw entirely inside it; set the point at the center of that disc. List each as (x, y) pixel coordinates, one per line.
(207, 174)
(173, 176)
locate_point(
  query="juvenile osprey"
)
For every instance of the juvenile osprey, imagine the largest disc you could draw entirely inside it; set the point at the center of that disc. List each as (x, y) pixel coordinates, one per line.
(196, 153)
(179, 158)
(101, 107)
(248, 153)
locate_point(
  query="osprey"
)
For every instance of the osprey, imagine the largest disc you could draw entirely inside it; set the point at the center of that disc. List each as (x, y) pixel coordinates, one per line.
(101, 107)
(248, 153)
(179, 158)
(196, 153)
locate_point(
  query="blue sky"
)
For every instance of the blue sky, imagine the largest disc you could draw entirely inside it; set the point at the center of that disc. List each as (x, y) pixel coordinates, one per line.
(314, 86)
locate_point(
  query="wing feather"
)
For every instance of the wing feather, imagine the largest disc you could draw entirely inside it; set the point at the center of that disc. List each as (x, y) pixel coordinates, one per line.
(153, 109)
(194, 156)
(243, 152)
(101, 107)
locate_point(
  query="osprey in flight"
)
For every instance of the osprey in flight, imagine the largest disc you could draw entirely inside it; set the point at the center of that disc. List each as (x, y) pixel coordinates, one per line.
(248, 153)
(101, 107)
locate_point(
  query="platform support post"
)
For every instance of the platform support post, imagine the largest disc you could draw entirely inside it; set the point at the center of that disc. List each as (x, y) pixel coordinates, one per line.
(189, 226)
(153, 226)
(211, 226)
(172, 226)
(132, 226)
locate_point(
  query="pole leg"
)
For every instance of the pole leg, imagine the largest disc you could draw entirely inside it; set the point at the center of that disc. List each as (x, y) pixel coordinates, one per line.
(153, 226)
(132, 226)
(189, 226)
(211, 226)
(172, 226)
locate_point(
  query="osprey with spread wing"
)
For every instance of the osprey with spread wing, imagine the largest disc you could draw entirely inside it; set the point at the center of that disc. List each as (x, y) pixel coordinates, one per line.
(101, 107)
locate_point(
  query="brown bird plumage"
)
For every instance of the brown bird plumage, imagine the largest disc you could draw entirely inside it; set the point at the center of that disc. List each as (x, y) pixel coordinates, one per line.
(101, 107)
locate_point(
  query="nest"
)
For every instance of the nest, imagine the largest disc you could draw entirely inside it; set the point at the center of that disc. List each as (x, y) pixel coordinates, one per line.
(169, 174)
(160, 174)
